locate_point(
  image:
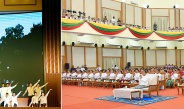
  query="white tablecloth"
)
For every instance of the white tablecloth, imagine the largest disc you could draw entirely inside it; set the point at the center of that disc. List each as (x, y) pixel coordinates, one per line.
(126, 93)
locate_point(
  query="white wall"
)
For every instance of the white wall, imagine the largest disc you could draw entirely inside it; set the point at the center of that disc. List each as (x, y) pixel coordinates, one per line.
(90, 8)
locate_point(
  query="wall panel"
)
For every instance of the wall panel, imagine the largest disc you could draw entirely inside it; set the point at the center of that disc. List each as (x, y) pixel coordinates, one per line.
(111, 4)
(148, 18)
(129, 14)
(181, 18)
(138, 58)
(112, 52)
(69, 55)
(177, 18)
(90, 57)
(77, 5)
(182, 57)
(90, 8)
(171, 57)
(110, 13)
(138, 16)
(172, 18)
(131, 57)
(68, 4)
(160, 12)
(150, 58)
(160, 56)
(77, 56)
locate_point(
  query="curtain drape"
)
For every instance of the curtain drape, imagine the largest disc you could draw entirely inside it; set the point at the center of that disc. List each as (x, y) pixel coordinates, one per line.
(162, 23)
(110, 62)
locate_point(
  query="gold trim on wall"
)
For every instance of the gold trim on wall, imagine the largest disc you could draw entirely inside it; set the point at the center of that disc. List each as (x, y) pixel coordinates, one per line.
(96, 2)
(18, 3)
(70, 4)
(84, 55)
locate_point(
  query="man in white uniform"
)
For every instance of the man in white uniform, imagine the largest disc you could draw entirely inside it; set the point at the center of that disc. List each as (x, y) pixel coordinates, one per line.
(84, 75)
(82, 68)
(143, 81)
(119, 76)
(112, 75)
(136, 75)
(9, 89)
(91, 75)
(14, 99)
(97, 75)
(3, 93)
(104, 75)
(74, 74)
(6, 100)
(98, 68)
(128, 76)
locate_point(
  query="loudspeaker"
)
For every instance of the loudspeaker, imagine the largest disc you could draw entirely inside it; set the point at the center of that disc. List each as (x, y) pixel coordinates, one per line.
(63, 43)
(121, 46)
(67, 65)
(102, 45)
(148, 48)
(175, 47)
(73, 43)
(142, 48)
(129, 64)
(127, 47)
(95, 45)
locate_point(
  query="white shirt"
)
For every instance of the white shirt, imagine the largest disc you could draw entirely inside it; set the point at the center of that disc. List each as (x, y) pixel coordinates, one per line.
(136, 76)
(74, 75)
(159, 76)
(79, 75)
(119, 76)
(3, 91)
(64, 75)
(144, 80)
(128, 76)
(82, 69)
(104, 75)
(43, 99)
(112, 76)
(14, 99)
(91, 76)
(98, 68)
(113, 20)
(167, 75)
(6, 101)
(85, 75)
(174, 76)
(97, 75)
(68, 75)
(9, 90)
(116, 68)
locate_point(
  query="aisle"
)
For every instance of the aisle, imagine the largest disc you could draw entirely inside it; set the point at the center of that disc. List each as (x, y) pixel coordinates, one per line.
(74, 97)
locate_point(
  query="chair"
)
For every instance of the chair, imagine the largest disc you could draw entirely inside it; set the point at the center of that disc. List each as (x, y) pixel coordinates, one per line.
(153, 85)
(162, 80)
(176, 81)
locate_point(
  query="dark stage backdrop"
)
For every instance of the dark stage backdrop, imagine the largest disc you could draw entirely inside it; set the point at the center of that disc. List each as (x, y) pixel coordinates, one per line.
(21, 48)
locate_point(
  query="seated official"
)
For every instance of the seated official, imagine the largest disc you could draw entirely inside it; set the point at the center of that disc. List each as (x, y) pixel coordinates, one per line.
(91, 75)
(79, 75)
(128, 75)
(136, 75)
(158, 74)
(84, 75)
(98, 68)
(82, 68)
(174, 76)
(97, 75)
(143, 81)
(73, 68)
(104, 75)
(119, 76)
(77, 69)
(68, 75)
(64, 74)
(74, 74)
(112, 75)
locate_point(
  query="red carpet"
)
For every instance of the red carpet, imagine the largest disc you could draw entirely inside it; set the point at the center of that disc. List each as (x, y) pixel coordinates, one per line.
(74, 97)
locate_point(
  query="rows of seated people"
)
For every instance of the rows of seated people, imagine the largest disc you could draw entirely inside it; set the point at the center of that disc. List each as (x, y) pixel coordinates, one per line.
(171, 73)
(176, 29)
(105, 20)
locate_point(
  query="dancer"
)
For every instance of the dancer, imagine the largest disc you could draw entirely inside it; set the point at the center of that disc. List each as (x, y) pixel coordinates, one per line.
(30, 91)
(34, 101)
(9, 89)
(38, 88)
(43, 99)
(3, 93)
(6, 100)
(14, 99)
